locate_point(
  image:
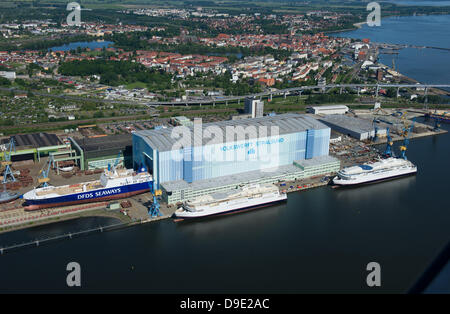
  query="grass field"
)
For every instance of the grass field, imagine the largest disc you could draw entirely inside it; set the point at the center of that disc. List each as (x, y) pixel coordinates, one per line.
(136, 85)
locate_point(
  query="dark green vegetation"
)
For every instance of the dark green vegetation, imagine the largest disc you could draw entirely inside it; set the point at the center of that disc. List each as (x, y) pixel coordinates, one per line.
(223, 81)
(40, 43)
(117, 73)
(329, 98)
(433, 99)
(138, 41)
(4, 82)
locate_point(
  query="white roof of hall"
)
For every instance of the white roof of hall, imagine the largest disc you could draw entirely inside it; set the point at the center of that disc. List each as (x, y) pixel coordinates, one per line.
(330, 107)
(357, 125)
(162, 140)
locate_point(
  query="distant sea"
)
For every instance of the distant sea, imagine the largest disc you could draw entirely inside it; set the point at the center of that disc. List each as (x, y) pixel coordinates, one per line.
(420, 3)
(425, 65)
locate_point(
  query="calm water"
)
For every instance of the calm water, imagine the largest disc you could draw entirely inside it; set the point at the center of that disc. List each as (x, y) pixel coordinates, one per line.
(320, 241)
(425, 65)
(83, 44)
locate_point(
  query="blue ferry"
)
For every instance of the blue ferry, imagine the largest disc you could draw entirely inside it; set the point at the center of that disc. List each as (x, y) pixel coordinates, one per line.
(113, 184)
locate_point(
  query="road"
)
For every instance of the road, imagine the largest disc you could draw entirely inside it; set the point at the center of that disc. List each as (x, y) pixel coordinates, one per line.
(215, 100)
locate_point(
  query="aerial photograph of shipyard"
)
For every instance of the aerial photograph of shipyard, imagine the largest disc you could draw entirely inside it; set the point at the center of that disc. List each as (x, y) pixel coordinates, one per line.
(224, 153)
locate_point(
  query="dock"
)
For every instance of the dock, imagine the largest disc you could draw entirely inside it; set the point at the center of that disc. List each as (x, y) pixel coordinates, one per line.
(13, 216)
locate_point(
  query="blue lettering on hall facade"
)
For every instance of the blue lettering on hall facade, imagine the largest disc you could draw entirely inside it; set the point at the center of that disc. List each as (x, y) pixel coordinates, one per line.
(221, 159)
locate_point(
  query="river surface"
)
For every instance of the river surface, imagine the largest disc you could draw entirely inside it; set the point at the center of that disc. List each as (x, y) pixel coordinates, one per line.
(430, 66)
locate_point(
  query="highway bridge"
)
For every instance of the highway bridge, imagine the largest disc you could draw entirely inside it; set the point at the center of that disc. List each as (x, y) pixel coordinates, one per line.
(287, 91)
(402, 46)
(268, 93)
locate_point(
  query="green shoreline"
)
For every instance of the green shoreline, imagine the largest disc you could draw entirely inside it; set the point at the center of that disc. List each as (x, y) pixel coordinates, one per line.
(358, 25)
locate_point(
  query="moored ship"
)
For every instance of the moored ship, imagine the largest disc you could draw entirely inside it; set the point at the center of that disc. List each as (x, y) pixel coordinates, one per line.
(380, 170)
(241, 199)
(443, 117)
(6, 197)
(114, 184)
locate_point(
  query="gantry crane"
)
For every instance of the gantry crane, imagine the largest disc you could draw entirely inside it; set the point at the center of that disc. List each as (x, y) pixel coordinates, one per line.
(437, 119)
(406, 134)
(380, 111)
(153, 209)
(437, 124)
(116, 163)
(8, 175)
(389, 152)
(375, 137)
(43, 174)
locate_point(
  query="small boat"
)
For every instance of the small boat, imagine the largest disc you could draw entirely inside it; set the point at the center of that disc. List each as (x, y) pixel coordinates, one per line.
(66, 169)
(6, 197)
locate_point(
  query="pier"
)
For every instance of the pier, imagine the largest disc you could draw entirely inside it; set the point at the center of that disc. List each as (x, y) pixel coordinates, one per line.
(348, 150)
(393, 47)
(68, 235)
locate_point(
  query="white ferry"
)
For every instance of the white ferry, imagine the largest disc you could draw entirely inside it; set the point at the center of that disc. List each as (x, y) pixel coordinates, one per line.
(382, 169)
(241, 199)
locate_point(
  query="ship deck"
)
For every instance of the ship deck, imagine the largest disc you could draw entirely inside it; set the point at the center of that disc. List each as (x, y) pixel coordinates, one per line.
(71, 189)
(222, 197)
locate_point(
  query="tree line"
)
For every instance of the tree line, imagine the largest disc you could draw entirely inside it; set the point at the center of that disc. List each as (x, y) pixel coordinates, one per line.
(116, 73)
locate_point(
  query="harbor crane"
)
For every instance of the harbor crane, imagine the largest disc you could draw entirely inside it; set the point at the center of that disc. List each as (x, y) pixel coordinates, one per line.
(116, 163)
(380, 112)
(43, 173)
(437, 119)
(389, 152)
(153, 209)
(406, 134)
(437, 124)
(375, 136)
(8, 175)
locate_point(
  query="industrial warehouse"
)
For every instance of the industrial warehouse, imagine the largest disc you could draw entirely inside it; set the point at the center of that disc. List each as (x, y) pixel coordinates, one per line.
(198, 167)
(32, 146)
(190, 161)
(99, 152)
(357, 128)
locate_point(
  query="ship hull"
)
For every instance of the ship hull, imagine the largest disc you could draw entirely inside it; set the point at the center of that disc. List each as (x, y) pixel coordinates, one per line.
(444, 119)
(374, 179)
(181, 217)
(88, 197)
(8, 200)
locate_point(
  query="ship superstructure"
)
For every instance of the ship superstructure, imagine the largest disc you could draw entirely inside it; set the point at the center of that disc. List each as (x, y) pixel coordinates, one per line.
(241, 199)
(113, 184)
(382, 169)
